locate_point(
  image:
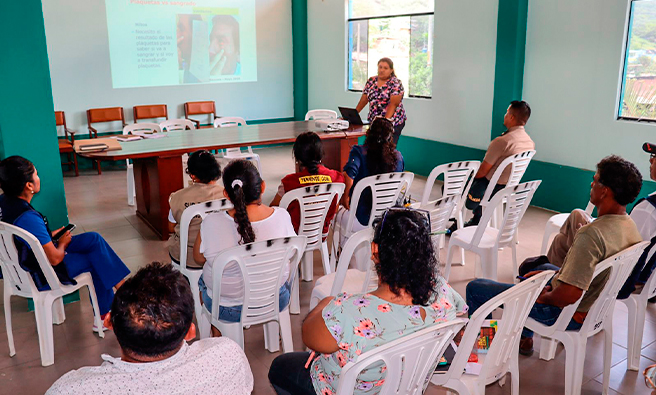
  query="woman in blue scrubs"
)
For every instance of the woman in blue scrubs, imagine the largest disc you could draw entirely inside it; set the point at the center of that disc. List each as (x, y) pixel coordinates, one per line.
(69, 255)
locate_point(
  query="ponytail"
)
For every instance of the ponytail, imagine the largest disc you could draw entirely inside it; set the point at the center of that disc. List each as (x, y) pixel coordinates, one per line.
(308, 151)
(381, 150)
(243, 185)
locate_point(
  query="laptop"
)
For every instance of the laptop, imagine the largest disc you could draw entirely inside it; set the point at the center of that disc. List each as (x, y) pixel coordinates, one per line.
(352, 116)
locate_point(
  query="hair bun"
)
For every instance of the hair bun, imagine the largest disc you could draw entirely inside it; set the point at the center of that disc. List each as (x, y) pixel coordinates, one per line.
(236, 182)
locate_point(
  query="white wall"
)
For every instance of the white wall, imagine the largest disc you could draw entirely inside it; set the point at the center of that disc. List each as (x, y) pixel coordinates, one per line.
(573, 60)
(76, 34)
(460, 110)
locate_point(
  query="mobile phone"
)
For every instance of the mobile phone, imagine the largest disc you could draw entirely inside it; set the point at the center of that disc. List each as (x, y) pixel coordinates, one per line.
(522, 278)
(59, 234)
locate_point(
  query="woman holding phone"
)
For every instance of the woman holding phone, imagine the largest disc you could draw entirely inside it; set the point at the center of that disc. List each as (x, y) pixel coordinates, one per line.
(69, 255)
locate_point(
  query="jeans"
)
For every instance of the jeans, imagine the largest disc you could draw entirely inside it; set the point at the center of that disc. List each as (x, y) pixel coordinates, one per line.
(233, 313)
(481, 290)
(397, 132)
(288, 374)
(478, 211)
(90, 253)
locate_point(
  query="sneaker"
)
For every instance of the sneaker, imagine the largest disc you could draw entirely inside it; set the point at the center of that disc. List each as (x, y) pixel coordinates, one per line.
(452, 228)
(526, 346)
(471, 222)
(95, 328)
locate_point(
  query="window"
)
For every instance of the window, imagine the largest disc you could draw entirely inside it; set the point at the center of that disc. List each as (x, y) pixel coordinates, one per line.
(401, 31)
(638, 95)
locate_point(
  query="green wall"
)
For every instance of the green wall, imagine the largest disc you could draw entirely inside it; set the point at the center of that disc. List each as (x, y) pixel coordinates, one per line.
(27, 119)
(300, 50)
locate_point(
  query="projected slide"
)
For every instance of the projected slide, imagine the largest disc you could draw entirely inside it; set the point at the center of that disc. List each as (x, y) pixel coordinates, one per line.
(158, 42)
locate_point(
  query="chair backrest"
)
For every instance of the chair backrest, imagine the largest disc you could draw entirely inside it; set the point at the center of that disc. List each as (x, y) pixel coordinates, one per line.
(197, 210)
(517, 303)
(589, 208)
(649, 289)
(410, 360)
(359, 240)
(621, 265)
(60, 119)
(109, 114)
(385, 188)
(15, 276)
(517, 199)
(141, 128)
(262, 266)
(199, 107)
(320, 114)
(229, 121)
(440, 211)
(152, 111)
(518, 164)
(176, 124)
(458, 178)
(315, 202)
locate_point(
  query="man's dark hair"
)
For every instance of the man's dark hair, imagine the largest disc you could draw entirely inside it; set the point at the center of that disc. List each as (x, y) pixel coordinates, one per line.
(622, 177)
(152, 311)
(521, 110)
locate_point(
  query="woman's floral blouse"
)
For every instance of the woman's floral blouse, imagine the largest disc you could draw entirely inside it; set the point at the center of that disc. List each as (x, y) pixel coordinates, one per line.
(360, 323)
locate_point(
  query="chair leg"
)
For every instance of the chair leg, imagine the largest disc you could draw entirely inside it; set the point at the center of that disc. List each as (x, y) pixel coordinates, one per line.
(307, 266)
(636, 327)
(574, 359)
(513, 246)
(449, 258)
(7, 308)
(548, 348)
(98, 166)
(286, 332)
(233, 331)
(58, 313)
(205, 326)
(96, 309)
(195, 292)
(325, 259)
(43, 314)
(77, 171)
(608, 354)
(272, 335)
(295, 302)
(131, 186)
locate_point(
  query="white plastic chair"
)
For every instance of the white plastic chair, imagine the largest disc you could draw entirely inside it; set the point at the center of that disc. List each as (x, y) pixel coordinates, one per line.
(502, 357)
(177, 124)
(458, 179)
(320, 114)
(386, 189)
(637, 308)
(352, 281)
(136, 129)
(48, 305)
(193, 274)
(518, 164)
(262, 265)
(237, 153)
(440, 211)
(485, 240)
(555, 223)
(410, 360)
(600, 317)
(314, 202)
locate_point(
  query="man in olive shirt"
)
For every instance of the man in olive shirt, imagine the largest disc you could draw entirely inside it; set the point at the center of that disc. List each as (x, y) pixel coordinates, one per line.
(616, 183)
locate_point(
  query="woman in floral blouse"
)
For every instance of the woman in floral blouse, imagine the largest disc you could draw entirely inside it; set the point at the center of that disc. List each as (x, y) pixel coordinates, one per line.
(384, 93)
(410, 297)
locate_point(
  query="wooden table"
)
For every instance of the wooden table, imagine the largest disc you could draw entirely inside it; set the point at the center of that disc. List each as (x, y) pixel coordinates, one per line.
(158, 162)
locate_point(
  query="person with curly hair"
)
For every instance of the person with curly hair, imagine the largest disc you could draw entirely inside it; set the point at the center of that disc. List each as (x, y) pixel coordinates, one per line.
(247, 222)
(616, 183)
(411, 296)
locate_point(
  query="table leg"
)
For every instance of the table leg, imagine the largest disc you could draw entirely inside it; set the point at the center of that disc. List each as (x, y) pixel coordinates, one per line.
(155, 180)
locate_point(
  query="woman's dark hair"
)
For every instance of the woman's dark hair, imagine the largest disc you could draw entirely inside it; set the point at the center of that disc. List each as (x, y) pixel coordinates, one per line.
(389, 63)
(308, 151)
(153, 310)
(15, 172)
(622, 177)
(381, 150)
(203, 165)
(406, 256)
(243, 184)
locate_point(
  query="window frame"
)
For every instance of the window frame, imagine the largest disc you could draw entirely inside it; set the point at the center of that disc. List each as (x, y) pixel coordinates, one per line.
(624, 60)
(348, 49)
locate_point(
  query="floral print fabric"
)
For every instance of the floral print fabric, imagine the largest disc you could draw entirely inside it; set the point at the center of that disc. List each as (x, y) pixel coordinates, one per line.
(360, 323)
(379, 98)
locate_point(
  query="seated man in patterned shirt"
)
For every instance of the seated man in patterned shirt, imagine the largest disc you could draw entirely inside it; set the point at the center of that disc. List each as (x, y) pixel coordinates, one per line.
(152, 317)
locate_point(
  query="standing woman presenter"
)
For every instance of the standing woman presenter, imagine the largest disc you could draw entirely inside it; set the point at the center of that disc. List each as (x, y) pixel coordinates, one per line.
(384, 93)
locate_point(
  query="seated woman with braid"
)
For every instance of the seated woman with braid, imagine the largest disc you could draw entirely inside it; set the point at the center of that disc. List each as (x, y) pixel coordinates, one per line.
(410, 297)
(247, 222)
(70, 255)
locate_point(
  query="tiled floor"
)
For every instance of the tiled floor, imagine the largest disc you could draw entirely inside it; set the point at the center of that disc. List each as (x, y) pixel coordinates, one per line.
(98, 203)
